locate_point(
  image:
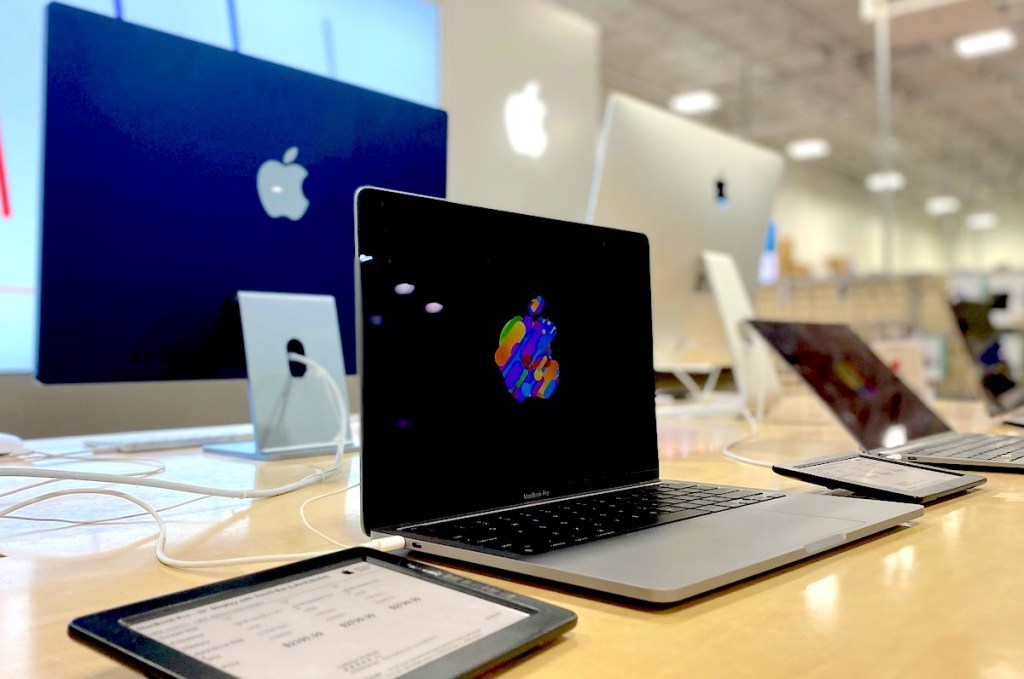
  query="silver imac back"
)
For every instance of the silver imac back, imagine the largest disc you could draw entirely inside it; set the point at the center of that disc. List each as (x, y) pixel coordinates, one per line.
(752, 365)
(689, 188)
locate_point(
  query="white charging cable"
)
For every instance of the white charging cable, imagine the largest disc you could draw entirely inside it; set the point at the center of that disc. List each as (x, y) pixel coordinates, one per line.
(153, 466)
(389, 543)
(317, 476)
(386, 544)
(10, 444)
(754, 431)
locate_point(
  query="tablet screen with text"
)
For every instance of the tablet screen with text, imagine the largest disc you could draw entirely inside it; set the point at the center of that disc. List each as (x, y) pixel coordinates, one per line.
(368, 615)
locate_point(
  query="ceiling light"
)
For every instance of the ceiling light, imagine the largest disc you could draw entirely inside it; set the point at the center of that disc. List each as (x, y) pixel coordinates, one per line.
(897, 8)
(940, 206)
(984, 43)
(876, 182)
(980, 221)
(695, 103)
(808, 149)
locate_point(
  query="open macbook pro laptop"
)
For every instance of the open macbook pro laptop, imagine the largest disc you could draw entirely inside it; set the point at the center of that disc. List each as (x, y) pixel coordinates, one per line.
(508, 414)
(875, 406)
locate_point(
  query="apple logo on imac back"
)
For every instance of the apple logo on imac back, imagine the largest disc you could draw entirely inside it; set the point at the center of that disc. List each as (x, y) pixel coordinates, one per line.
(279, 185)
(721, 198)
(524, 121)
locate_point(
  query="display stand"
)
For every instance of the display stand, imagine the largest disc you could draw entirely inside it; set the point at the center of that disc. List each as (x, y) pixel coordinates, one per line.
(703, 399)
(292, 410)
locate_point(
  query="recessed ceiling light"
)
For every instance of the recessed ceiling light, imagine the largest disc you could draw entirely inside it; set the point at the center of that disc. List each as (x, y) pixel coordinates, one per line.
(695, 103)
(891, 180)
(940, 206)
(808, 149)
(981, 221)
(985, 43)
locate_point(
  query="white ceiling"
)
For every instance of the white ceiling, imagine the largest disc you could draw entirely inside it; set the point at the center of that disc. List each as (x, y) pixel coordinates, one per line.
(796, 68)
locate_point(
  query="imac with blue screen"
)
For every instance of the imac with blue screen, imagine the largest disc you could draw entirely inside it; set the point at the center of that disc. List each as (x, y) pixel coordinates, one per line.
(177, 174)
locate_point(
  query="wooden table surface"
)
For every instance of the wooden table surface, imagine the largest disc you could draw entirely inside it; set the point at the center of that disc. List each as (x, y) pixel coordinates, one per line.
(935, 598)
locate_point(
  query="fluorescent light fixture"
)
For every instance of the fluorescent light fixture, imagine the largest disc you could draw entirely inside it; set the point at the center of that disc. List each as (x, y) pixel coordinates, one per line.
(877, 182)
(808, 149)
(940, 206)
(982, 221)
(695, 103)
(897, 8)
(985, 43)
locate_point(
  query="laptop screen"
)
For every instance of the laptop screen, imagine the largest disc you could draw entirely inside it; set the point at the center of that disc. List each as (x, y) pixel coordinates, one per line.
(867, 397)
(1002, 392)
(504, 358)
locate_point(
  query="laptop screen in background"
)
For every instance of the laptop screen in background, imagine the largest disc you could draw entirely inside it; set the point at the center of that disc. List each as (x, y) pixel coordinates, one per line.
(455, 300)
(868, 398)
(1002, 392)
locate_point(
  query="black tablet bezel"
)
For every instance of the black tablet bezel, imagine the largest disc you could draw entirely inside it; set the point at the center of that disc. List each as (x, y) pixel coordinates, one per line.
(805, 471)
(107, 632)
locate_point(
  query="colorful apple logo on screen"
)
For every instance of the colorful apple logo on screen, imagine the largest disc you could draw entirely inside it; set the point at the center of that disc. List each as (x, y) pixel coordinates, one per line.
(279, 185)
(524, 121)
(524, 354)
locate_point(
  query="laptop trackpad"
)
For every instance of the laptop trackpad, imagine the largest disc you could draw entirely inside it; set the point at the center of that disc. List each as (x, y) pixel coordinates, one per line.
(698, 550)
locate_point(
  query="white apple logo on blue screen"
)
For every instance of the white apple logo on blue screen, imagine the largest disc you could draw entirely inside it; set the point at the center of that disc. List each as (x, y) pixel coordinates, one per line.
(524, 121)
(279, 185)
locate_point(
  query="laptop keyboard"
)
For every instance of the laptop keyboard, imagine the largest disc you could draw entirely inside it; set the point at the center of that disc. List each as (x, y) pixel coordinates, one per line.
(975, 448)
(553, 525)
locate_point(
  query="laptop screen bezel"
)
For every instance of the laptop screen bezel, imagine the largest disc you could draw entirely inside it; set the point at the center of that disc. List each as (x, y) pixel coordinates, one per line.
(378, 467)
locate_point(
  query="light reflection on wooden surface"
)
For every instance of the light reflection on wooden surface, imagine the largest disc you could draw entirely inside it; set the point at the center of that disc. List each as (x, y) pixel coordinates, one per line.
(936, 598)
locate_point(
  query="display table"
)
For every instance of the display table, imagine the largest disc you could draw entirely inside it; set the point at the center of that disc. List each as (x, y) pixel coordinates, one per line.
(935, 598)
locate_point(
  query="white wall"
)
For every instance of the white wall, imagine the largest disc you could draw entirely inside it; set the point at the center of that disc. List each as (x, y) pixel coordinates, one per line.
(1002, 247)
(492, 48)
(824, 216)
(827, 215)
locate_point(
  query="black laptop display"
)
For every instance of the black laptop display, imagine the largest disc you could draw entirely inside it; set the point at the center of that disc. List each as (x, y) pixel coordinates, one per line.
(866, 396)
(875, 406)
(473, 430)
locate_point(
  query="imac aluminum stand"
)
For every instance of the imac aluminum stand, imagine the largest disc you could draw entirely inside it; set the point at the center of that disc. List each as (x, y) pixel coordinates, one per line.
(292, 410)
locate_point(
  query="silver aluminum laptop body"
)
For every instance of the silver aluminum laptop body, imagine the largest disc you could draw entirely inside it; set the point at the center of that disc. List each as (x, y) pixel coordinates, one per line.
(883, 414)
(452, 428)
(680, 560)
